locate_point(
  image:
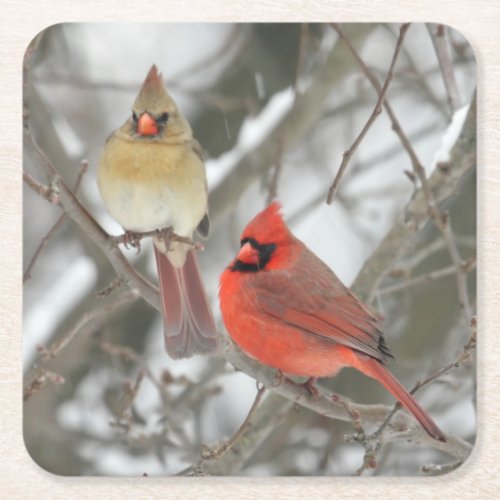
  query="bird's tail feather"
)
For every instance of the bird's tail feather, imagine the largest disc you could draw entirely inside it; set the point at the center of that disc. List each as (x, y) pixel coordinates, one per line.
(189, 324)
(379, 372)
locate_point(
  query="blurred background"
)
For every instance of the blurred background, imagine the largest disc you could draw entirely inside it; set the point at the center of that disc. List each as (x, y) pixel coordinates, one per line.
(113, 402)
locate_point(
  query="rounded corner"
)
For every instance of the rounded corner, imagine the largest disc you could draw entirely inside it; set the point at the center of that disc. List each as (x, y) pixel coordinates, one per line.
(33, 40)
(35, 460)
(449, 474)
(466, 39)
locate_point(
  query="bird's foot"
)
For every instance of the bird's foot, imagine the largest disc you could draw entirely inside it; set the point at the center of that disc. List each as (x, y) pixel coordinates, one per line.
(165, 235)
(198, 246)
(311, 388)
(132, 239)
(280, 378)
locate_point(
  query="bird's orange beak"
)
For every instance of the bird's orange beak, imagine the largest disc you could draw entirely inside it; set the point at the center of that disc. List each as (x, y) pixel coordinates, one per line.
(146, 125)
(248, 255)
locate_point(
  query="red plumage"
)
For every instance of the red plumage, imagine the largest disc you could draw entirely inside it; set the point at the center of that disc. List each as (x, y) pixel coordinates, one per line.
(286, 308)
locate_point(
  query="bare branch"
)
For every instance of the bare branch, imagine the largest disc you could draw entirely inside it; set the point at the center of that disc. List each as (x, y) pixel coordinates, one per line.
(81, 216)
(376, 111)
(462, 356)
(221, 450)
(305, 111)
(437, 34)
(49, 193)
(41, 380)
(37, 377)
(467, 266)
(55, 227)
(466, 160)
(269, 415)
(411, 75)
(404, 427)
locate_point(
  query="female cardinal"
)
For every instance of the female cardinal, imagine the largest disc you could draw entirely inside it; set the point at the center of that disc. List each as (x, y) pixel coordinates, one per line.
(286, 308)
(151, 177)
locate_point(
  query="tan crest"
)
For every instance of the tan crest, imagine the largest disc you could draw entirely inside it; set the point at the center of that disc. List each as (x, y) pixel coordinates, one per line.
(153, 95)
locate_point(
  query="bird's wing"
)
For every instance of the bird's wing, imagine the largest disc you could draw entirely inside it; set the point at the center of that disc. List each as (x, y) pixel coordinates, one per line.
(334, 314)
(204, 226)
(198, 150)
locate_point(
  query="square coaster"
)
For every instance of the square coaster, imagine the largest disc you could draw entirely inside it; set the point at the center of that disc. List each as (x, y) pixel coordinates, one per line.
(218, 215)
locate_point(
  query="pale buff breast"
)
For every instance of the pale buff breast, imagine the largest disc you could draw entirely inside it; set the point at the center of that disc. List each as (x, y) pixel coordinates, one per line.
(152, 185)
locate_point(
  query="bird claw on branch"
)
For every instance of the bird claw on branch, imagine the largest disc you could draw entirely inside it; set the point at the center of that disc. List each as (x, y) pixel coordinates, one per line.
(309, 385)
(130, 238)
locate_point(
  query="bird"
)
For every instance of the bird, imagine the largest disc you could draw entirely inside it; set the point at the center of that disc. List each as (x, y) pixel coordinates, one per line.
(151, 177)
(283, 306)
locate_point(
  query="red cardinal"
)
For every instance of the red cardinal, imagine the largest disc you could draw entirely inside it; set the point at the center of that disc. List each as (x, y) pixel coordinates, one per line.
(286, 308)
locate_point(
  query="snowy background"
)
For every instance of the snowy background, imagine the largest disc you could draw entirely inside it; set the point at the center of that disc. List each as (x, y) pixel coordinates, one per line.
(234, 83)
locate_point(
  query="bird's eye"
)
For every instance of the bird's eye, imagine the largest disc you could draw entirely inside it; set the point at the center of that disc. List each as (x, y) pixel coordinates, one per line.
(252, 242)
(163, 118)
(134, 116)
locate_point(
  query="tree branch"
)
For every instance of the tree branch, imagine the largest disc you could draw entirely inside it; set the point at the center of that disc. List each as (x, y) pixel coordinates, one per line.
(416, 214)
(373, 116)
(304, 113)
(36, 378)
(441, 47)
(431, 200)
(59, 222)
(403, 427)
(469, 265)
(224, 448)
(270, 414)
(81, 216)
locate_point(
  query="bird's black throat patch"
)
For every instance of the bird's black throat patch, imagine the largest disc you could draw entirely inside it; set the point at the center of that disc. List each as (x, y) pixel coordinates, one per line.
(265, 252)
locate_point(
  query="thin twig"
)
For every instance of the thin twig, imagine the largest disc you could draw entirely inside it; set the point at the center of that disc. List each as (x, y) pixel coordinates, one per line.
(269, 415)
(395, 123)
(467, 266)
(413, 76)
(37, 376)
(40, 381)
(461, 277)
(359, 437)
(434, 246)
(212, 454)
(295, 123)
(130, 393)
(462, 356)
(82, 217)
(441, 220)
(441, 47)
(49, 193)
(375, 113)
(55, 227)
